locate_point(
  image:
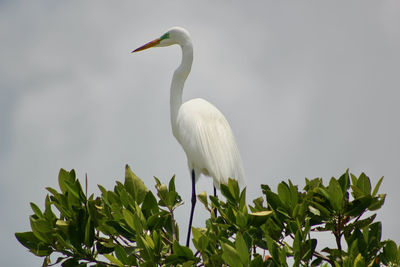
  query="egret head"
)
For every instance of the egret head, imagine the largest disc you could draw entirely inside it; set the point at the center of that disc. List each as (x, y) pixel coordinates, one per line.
(175, 35)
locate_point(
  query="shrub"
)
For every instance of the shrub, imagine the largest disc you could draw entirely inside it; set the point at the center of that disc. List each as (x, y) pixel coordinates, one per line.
(132, 226)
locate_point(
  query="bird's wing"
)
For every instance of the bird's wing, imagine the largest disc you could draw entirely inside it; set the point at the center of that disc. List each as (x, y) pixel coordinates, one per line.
(208, 141)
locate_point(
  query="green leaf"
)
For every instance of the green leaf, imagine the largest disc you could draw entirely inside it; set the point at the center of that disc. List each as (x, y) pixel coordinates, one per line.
(113, 260)
(72, 189)
(104, 247)
(129, 219)
(359, 261)
(35, 245)
(261, 213)
(121, 254)
(273, 249)
(284, 193)
(273, 200)
(40, 225)
(150, 202)
(390, 251)
(171, 185)
(376, 188)
(297, 245)
(89, 233)
(200, 240)
(241, 219)
(36, 210)
(323, 210)
(230, 255)
(72, 262)
(314, 210)
(242, 249)
(358, 206)
(203, 199)
(335, 195)
(227, 193)
(323, 193)
(377, 203)
(234, 188)
(182, 251)
(134, 185)
(344, 181)
(64, 177)
(364, 184)
(257, 261)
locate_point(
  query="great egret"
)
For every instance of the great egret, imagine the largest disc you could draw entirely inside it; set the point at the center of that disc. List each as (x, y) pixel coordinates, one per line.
(199, 127)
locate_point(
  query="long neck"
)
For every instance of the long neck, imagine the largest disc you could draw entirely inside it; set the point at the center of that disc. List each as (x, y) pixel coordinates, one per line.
(178, 81)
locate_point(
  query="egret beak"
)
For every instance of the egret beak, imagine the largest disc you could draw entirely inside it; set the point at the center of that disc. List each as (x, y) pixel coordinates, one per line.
(148, 45)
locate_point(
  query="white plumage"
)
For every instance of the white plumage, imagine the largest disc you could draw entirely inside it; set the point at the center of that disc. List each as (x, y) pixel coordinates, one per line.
(199, 127)
(208, 141)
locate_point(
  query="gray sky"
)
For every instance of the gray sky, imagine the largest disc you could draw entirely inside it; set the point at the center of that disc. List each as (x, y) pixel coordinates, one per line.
(309, 88)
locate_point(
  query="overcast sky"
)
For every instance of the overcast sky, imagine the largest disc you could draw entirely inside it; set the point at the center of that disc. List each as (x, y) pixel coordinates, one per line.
(309, 88)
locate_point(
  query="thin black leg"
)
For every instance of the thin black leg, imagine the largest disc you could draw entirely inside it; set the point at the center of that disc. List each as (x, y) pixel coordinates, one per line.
(215, 195)
(192, 210)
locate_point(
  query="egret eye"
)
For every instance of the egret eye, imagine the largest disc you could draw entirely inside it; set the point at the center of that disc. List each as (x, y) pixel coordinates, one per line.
(165, 36)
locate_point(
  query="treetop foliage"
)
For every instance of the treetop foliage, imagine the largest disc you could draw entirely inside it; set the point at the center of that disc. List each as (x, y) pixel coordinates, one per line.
(132, 226)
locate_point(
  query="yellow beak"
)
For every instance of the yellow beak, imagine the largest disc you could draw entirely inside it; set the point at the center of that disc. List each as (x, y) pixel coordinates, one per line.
(148, 45)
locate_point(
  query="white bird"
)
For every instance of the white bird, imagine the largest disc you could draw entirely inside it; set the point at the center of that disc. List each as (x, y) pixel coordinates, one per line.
(200, 128)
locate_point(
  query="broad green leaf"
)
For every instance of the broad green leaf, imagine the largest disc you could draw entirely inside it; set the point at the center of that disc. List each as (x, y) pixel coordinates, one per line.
(134, 185)
(284, 193)
(227, 193)
(325, 212)
(121, 254)
(234, 188)
(171, 185)
(257, 261)
(297, 244)
(182, 251)
(344, 181)
(64, 176)
(323, 192)
(113, 260)
(72, 188)
(150, 202)
(241, 219)
(36, 210)
(353, 179)
(30, 241)
(377, 203)
(335, 195)
(273, 200)
(390, 251)
(146, 249)
(129, 219)
(242, 249)
(364, 184)
(230, 255)
(41, 225)
(358, 206)
(273, 249)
